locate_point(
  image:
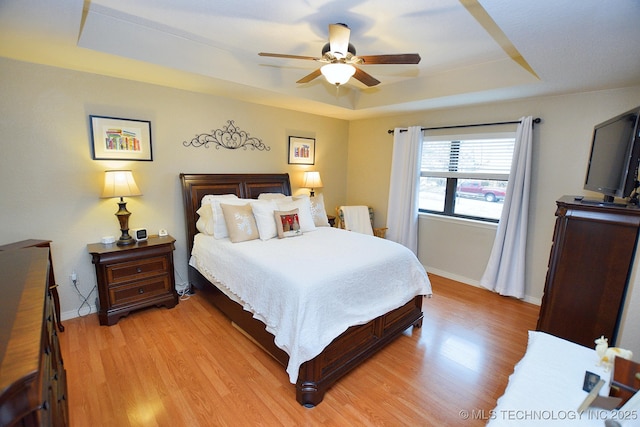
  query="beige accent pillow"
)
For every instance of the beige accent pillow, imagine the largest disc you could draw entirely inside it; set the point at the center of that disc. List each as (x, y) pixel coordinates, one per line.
(219, 225)
(240, 222)
(287, 223)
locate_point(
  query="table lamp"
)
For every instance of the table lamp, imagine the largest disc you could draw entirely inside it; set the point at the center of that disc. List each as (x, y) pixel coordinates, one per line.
(120, 183)
(312, 180)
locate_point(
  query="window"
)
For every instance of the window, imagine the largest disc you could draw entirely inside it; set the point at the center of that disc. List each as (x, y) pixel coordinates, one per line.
(466, 176)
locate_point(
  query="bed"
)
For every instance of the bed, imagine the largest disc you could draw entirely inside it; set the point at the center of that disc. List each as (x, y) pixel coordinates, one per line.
(344, 351)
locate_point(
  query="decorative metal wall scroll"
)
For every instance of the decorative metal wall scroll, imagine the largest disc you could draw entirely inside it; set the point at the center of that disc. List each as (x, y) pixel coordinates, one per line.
(230, 136)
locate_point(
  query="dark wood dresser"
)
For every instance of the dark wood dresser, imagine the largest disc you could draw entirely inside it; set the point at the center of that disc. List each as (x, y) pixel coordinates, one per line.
(591, 259)
(33, 382)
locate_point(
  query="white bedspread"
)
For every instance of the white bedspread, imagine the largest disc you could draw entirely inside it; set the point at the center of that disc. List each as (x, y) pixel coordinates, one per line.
(545, 388)
(328, 277)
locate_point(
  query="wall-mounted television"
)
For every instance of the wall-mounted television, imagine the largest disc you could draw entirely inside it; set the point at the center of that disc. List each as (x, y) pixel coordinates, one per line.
(615, 153)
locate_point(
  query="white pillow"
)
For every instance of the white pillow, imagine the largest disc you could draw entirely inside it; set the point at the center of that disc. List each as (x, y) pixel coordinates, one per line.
(263, 212)
(204, 224)
(318, 211)
(220, 230)
(271, 196)
(304, 212)
(206, 220)
(210, 198)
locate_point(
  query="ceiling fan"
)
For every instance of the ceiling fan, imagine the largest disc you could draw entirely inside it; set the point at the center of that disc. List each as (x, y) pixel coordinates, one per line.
(339, 57)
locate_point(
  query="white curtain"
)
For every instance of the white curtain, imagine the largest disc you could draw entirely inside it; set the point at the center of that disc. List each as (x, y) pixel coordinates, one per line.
(505, 271)
(402, 212)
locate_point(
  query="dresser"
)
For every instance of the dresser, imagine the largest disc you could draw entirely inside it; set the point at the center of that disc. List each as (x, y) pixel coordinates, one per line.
(591, 258)
(133, 277)
(33, 382)
(53, 286)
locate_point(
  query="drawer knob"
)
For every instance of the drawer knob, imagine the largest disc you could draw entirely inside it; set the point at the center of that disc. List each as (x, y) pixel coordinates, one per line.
(139, 270)
(141, 291)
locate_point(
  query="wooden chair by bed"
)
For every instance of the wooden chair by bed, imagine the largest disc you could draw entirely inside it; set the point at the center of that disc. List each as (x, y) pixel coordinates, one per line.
(347, 351)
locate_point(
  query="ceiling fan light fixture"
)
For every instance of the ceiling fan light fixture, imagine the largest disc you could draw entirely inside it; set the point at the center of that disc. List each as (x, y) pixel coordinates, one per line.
(338, 73)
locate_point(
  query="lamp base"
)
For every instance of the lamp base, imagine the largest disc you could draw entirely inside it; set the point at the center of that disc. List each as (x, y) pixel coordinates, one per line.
(123, 218)
(125, 240)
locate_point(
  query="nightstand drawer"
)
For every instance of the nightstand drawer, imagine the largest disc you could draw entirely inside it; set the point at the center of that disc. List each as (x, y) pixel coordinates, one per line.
(139, 291)
(138, 269)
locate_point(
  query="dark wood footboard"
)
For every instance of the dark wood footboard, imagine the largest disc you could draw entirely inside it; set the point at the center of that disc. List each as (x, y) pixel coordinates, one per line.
(344, 353)
(351, 349)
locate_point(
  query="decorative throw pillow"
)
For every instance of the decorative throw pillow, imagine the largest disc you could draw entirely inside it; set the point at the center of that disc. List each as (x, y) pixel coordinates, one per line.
(288, 223)
(219, 225)
(240, 222)
(304, 212)
(318, 212)
(263, 213)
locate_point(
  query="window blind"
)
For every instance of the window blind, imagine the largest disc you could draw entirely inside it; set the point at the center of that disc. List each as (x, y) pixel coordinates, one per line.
(486, 158)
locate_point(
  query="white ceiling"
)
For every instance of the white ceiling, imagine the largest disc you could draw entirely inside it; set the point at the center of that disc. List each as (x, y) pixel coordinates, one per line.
(212, 46)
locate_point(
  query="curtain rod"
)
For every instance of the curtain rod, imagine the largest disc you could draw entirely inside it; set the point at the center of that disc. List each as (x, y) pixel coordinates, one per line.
(536, 120)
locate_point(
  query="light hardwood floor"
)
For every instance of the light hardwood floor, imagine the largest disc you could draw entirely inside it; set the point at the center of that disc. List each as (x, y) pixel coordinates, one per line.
(188, 366)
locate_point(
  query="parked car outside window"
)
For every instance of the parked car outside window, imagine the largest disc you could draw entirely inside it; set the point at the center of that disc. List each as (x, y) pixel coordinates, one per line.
(482, 190)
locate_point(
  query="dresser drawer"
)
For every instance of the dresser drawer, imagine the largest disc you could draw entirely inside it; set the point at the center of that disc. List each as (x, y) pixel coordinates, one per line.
(141, 290)
(137, 269)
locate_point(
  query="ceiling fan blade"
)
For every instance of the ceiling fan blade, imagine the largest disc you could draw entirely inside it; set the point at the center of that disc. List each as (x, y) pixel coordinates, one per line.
(282, 55)
(365, 78)
(339, 39)
(401, 58)
(309, 77)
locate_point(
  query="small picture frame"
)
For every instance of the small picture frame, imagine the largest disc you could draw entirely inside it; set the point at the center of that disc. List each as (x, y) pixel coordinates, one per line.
(120, 139)
(590, 381)
(302, 151)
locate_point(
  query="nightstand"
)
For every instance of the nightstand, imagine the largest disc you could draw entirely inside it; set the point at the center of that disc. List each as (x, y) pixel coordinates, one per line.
(133, 277)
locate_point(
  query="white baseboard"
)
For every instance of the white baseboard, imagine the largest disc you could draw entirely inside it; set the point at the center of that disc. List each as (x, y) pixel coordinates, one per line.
(472, 282)
(71, 314)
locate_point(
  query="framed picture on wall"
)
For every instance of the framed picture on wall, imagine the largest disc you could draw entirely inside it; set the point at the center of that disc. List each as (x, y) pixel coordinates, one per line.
(302, 151)
(120, 139)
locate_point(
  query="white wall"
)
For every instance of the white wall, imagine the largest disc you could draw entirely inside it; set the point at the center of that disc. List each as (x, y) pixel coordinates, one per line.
(459, 249)
(50, 186)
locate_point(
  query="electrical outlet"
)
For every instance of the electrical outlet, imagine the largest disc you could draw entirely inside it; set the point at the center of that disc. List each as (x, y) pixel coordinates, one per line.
(74, 276)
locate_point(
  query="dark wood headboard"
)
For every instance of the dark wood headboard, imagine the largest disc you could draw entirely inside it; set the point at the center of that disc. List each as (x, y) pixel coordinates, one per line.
(246, 186)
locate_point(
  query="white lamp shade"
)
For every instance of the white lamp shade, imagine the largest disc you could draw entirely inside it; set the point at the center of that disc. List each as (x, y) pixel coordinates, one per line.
(312, 180)
(338, 73)
(120, 184)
